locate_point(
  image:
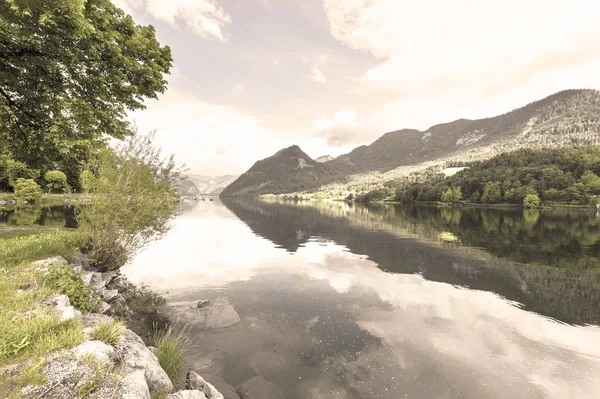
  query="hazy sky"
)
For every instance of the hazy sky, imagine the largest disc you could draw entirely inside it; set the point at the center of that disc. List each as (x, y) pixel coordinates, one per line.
(253, 76)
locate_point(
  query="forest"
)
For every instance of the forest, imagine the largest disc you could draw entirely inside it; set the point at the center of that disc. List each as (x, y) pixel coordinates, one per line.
(529, 177)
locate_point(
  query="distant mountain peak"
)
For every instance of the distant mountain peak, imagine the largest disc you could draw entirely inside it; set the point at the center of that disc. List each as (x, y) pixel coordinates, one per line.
(324, 158)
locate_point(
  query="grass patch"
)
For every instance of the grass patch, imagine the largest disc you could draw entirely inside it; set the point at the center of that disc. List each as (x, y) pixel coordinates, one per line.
(171, 346)
(33, 375)
(27, 328)
(109, 331)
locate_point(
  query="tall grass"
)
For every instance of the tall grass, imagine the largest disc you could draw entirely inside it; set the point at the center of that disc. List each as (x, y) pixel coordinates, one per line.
(172, 344)
(109, 331)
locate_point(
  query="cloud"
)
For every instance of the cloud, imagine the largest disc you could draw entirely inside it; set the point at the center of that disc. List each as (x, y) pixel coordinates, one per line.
(204, 17)
(342, 130)
(317, 75)
(463, 61)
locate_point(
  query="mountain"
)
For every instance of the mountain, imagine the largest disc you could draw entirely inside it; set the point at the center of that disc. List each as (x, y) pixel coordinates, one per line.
(570, 117)
(567, 117)
(324, 158)
(186, 188)
(289, 170)
(211, 185)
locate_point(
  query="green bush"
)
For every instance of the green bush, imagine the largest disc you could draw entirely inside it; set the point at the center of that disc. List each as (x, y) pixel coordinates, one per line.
(56, 181)
(27, 190)
(16, 170)
(531, 201)
(133, 203)
(68, 282)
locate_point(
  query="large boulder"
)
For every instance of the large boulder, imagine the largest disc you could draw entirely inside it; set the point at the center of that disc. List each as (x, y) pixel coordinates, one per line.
(190, 394)
(94, 279)
(194, 381)
(136, 356)
(259, 388)
(217, 314)
(134, 386)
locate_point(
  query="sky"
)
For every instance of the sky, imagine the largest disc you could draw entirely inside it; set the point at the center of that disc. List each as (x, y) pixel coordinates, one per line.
(251, 77)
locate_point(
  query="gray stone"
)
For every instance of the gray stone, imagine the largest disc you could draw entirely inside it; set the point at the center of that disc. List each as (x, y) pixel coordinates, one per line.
(109, 276)
(102, 352)
(68, 313)
(45, 263)
(60, 301)
(187, 395)
(259, 388)
(109, 295)
(78, 269)
(134, 386)
(194, 381)
(218, 314)
(227, 390)
(104, 307)
(202, 304)
(94, 279)
(136, 356)
(81, 260)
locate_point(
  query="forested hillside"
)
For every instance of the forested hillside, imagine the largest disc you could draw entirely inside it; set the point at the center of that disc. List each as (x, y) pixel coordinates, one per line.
(567, 174)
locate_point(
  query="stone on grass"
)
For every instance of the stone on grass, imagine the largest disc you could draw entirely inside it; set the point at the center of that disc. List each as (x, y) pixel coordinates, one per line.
(187, 395)
(102, 352)
(63, 307)
(45, 263)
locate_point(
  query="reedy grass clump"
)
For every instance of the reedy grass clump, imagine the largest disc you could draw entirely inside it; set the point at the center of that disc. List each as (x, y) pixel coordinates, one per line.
(172, 343)
(109, 332)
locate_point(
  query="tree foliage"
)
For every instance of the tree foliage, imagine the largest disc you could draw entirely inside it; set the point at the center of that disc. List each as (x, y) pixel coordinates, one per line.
(69, 71)
(56, 181)
(27, 190)
(531, 201)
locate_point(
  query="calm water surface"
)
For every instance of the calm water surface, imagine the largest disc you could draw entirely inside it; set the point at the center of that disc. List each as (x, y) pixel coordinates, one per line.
(340, 301)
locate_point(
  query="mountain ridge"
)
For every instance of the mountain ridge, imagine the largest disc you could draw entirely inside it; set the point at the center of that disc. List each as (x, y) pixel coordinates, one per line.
(569, 117)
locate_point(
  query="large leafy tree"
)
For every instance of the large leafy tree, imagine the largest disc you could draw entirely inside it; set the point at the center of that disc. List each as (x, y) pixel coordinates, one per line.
(69, 71)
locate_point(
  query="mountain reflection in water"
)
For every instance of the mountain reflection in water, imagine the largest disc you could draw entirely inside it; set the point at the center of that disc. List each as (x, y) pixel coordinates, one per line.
(340, 301)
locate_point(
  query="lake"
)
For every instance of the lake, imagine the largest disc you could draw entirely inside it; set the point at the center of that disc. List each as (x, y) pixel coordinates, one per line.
(345, 301)
(331, 300)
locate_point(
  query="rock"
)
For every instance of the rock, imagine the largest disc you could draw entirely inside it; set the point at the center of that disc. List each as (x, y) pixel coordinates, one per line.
(203, 304)
(109, 295)
(108, 277)
(81, 260)
(68, 313)
(94, 279)
(104, 307)
(187, 395)
(98, 349)
(194, 381)
(259, 388)
(152, 349)
(78, 269)
(136, 356)
(60, 301)
(226, 389)
(45, 263)
(63, 307)
(218, 314)
(134, 386)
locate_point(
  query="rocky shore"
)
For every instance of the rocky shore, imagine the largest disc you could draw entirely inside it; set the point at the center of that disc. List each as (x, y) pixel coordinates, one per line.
(125, 369)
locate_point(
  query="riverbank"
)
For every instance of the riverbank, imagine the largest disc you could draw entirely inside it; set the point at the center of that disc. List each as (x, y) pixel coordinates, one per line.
(64, 330)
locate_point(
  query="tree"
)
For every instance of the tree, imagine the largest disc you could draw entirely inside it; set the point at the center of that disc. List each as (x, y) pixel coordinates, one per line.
(56, 181)
(70, 69)
(16, 170)
(492, 193)
(86, 181)
(554, 194)
(591, 181)
(134, 201)
(476, 197)
(27, 190)
(531, 201)
(578, 193)
(456, 194)
(447, 196)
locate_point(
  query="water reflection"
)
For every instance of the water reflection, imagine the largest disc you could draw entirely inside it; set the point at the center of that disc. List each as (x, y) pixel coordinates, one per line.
(58, 216)
(336, 304)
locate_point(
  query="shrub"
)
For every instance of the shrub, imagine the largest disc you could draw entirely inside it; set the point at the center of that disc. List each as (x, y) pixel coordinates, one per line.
(16, 170)
(134, 201)
(531, 201)
(56, 181)
(68, 282)
(27, 190)
(171, 347)
(109, 331)
(87, 180)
